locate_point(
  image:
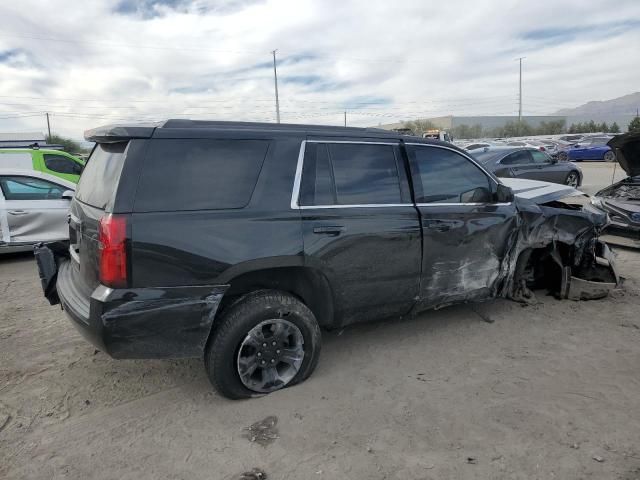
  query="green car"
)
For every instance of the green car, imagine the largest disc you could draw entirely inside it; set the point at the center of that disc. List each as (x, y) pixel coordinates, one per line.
(53, 162)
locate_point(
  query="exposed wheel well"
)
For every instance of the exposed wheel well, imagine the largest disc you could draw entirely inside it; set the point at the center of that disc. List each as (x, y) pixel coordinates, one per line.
(307, 284)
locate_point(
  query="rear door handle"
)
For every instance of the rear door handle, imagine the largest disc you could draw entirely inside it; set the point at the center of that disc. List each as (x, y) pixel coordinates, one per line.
(333, 230)
(17, 212)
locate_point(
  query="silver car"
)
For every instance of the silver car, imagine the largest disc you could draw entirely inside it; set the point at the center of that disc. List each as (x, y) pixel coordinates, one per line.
(34, 208)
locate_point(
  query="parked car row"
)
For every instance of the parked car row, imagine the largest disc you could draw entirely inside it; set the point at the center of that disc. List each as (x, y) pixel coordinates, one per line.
(566, 148)
(36, 186)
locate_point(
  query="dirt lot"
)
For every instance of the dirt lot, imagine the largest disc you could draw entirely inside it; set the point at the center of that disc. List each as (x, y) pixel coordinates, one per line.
(545, 391)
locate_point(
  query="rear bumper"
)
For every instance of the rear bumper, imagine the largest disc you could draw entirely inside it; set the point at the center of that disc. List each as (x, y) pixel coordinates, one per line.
(171, 322)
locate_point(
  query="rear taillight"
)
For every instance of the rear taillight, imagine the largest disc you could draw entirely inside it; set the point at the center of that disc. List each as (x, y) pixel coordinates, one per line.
(112, 237)
(542, 149)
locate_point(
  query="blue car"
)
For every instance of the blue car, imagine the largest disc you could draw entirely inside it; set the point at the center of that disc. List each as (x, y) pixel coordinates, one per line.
(592, 148)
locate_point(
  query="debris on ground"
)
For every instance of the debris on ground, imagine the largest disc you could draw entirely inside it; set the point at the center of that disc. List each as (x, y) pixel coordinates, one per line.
(598, 458)
(263, 432)
(472, 460)
(254, 474)
(4, 421)
(484, 316)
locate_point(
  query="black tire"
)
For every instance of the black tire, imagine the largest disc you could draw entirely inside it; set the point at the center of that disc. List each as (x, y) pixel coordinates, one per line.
(563, 157)
(573, 179)
(242, 316)
(609, 156)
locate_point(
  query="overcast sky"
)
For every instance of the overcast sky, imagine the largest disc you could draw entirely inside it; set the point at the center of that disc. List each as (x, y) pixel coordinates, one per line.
(104, 61)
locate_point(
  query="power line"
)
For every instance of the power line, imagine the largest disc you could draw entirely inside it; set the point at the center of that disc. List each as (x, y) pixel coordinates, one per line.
(275, 80)
(520, 90)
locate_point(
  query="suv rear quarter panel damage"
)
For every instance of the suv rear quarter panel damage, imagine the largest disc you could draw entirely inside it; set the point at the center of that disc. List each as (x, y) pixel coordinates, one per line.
(158, 322)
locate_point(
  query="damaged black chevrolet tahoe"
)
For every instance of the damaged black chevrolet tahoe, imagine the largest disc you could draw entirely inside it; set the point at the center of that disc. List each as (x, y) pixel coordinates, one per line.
(237, 242)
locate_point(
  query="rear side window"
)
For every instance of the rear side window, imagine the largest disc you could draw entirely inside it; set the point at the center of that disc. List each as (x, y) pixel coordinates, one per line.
(61, 164)
(349, 174)
(446, 176)
(199, 174)
(521, 157)
(101, 174)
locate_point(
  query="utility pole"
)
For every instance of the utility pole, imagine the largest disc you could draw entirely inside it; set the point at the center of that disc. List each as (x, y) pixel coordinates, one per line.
(275, 79)
(345, 118)
(520, 93)
(48, 127)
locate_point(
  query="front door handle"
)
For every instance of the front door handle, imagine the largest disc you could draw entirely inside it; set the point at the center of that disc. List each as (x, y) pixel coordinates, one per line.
(333, 230)
(17, 212)
(440, 225)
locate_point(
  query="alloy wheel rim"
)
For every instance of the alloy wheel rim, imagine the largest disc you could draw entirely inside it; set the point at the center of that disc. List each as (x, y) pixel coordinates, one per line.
(270, 355)
(572, 180)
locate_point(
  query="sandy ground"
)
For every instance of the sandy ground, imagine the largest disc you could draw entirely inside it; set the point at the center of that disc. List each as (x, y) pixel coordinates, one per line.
(545, 391)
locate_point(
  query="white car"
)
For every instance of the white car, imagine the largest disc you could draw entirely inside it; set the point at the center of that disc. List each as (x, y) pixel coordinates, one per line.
(34, 207)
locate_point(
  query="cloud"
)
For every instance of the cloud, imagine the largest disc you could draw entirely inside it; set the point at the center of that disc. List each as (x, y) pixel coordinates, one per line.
(571, 32)
(154, 59)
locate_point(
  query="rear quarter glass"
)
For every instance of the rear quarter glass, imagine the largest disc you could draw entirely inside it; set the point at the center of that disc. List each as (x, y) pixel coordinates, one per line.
(101, 174)
(199, 174)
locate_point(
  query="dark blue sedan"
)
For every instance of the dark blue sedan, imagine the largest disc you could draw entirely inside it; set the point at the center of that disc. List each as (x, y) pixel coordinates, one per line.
(593, 148)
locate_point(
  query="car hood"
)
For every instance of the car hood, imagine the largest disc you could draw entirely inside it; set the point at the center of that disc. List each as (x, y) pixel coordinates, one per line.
(627, 148)
(539, 192)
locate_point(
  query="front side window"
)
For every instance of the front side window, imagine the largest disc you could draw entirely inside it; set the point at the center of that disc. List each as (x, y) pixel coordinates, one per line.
(61, 164)
(521, 157)
(29, 188)
(349, 174)
(445, 176)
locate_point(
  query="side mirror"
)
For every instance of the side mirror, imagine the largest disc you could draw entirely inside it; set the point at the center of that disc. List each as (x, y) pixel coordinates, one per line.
(68, 194)
(504, 194)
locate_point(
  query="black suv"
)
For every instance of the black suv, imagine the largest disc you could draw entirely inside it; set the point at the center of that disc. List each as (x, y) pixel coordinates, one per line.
(238, 241)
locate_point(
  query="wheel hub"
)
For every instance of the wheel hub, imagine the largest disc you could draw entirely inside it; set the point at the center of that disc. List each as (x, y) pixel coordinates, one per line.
(270, 355)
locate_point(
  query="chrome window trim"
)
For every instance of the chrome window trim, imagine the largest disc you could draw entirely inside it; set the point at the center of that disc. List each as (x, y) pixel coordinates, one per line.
(478, 204)
(364, 205)
(295, 194)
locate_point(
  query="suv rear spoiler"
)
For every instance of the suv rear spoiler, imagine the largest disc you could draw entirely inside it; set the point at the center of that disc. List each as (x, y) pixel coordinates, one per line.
(119, 133)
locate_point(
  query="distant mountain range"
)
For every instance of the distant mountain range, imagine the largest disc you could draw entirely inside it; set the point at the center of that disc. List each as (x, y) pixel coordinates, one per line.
(625, 105)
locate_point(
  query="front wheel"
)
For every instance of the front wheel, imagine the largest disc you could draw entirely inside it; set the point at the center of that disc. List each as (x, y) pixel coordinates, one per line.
(573, 179)
(266, 341)
(563, 156)
(609, 156)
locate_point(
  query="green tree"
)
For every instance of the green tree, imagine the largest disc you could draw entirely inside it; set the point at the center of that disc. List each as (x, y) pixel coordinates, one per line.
(634, 125)
(418, 127)
(462, 131)
(592, 127)
(603, 127)
(68, 144)
(614, 128)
